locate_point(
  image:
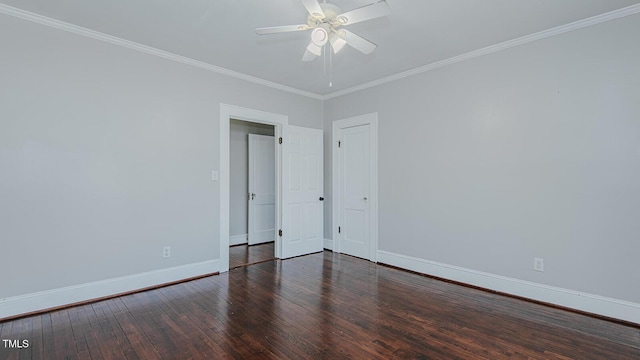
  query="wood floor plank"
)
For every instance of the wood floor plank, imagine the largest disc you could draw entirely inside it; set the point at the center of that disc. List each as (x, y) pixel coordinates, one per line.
(47, 334)
(194, 318)
(121, 337)
(106, 346)
(141, 347)
(145, 316)
(64, 344)
(179, 327)
(26, 327)
(227, 331)
(82, 327)
(7, 333)
(115, 344)
(82, 333)
(36, 340)
(320, 306)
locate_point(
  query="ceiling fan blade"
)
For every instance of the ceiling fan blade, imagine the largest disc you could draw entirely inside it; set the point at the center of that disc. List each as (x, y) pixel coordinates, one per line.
(308, 56)
(313, 7)
(281, 29)
(357, 42)
(364, 13)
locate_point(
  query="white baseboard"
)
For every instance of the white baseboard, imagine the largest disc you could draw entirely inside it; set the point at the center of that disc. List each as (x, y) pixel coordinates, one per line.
(238, 239)
(328, 244)
(595, 304)
(48, 299)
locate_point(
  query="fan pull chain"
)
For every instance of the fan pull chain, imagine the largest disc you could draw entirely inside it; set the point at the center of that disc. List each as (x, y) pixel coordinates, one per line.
(324, 62)
(330, 67)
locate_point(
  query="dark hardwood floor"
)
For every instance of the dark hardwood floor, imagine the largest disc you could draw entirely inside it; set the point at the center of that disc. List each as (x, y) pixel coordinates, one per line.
(323, 305)
(242, 255)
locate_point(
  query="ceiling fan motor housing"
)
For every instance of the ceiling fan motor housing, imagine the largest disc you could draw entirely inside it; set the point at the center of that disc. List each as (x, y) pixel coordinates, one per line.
(330, 13)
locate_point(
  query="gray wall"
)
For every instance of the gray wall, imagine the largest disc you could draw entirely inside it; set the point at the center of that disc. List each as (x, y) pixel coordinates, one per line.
(106, 156)
(239, 176)
(529, 152)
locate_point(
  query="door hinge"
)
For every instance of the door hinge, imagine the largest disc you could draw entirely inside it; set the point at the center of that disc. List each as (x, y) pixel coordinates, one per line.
(339, 229)
(280, 140)
(280, 232)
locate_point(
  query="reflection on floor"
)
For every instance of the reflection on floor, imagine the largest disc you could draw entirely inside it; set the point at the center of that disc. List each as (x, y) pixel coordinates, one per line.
(319, 306)
(242, 255)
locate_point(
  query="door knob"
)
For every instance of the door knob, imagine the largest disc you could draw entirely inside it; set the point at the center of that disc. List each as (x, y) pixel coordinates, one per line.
(321, 198)
(365, 198)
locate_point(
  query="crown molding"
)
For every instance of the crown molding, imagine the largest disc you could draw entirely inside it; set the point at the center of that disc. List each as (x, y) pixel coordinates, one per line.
(580, 24)
(79, 30)
(61, 25)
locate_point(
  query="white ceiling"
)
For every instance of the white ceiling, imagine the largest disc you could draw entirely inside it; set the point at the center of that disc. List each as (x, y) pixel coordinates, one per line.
(221, 32)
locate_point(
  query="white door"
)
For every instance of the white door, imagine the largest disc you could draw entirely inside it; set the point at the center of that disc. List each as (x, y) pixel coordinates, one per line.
(262, 189)
(302, 186)
(354, 191)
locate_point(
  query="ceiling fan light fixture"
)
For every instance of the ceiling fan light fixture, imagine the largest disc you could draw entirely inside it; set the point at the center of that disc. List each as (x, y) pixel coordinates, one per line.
(337, 43)
(319, 36)
(314, 49)
(308, 56)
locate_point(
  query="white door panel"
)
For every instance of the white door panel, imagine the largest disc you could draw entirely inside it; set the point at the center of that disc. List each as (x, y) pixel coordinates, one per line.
(354, 191)
(262, 189)
(302, 187)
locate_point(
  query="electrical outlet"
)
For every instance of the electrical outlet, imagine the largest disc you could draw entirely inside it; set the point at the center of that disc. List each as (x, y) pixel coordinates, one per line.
(538, 264)
(166, 251)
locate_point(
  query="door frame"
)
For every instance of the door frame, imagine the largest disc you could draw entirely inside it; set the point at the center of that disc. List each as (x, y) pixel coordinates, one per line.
(337, 126)
(227, 113)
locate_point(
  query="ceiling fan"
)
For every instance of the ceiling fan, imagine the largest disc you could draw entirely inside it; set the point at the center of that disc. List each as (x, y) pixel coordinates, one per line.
(325, 19)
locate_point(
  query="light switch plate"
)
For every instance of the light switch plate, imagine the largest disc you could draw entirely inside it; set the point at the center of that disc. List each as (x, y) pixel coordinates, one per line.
(214, 175)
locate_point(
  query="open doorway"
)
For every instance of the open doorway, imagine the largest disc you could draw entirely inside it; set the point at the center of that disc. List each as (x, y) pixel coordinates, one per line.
(252, 193)
(299, 179)
(228, 112)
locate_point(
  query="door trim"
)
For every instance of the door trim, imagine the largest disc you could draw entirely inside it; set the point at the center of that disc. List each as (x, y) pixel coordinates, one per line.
(337, 125)
(228, 112)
